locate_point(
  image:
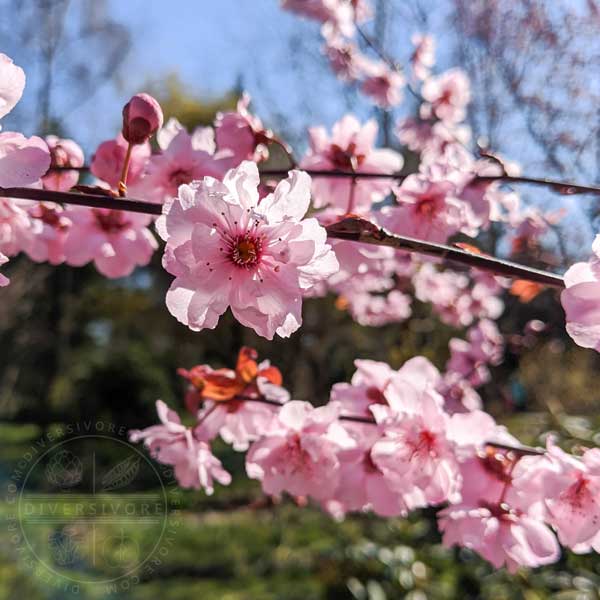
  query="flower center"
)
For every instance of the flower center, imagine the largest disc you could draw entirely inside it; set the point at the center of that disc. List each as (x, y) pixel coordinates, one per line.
(179, 177)
(426, 207)
(346, 158)
(112, 221)
(245, 251)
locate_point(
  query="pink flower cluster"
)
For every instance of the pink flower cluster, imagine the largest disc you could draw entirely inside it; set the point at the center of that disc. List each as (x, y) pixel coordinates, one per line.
(388, 443)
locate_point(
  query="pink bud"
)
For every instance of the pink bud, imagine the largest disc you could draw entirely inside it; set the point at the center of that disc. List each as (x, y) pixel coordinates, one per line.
(142, 116)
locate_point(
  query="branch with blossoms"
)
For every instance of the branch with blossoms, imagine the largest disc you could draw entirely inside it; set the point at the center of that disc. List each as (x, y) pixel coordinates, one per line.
(389, 442)
(346, 220)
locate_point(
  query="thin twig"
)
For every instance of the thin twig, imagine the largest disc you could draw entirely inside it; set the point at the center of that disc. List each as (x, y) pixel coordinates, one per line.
(351, 229)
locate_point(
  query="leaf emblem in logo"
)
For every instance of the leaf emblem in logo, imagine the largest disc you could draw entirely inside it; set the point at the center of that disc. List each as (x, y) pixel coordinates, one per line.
(121, 474)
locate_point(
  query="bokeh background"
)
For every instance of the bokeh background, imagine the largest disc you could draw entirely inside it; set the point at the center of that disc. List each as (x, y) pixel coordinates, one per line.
(75, 346)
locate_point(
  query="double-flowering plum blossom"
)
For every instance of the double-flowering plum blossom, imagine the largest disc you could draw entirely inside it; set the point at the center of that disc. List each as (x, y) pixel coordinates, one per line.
(470, 358)
(114, 240)
(107, 162)
(415, 449)
(446, 96)
(496, 518)
(338, 14)
(240, 135)
(565, 491)
(4, 280)
(382, 83)
(184, 158)
(230, 399)
(501, 535)
(49, 226)
(581, 300)
(15, 226)
(63, 153)
(172, 443)
(429, 208)
(300, 454)
(350, 149)
(227, 249)
(22, 160)
(345, 58)
(423, 57)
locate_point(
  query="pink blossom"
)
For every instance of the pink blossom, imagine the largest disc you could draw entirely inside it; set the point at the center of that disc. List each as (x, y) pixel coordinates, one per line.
(172, 443)
(300, 455)
(414, 133)
(107, 162)
(184, 158)
(427, 209)
(470, 358)
(63, 153)
(241, 136)
(423, 57)
(15, 226)
(415, 448)
(344, 56)
(22, 160)
(340, 14)
(116, 241)
(12, 84)
(4, 280)
(362, 485)
(459, 395)
(501, 535)
(580, 300)
(228, 250)
(142, 117)
(50, 227)
(568, 489)
(382, 84)
(376, 310)
(240, 422)
(448, 95)
(350, 149)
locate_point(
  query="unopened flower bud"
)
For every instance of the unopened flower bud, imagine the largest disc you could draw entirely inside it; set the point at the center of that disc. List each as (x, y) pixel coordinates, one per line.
(142, 116)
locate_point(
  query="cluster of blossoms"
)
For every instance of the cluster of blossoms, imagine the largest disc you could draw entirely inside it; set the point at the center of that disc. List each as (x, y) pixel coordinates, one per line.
(389, 442)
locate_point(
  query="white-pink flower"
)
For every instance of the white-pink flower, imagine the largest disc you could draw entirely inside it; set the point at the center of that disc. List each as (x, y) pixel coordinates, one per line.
(184, 158)
(240, 135)
(22, 160)
(415, 449)
(448, 95)
(63, 153)
(350, 148)
(502, 536)
(382, 84)
(116, 241)
(15, 226)
(299, 455)
(423, 57)
(107, 162)
(50, 227)
(240, 422)
(171, 443)
(581, 300)
(227, 249)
